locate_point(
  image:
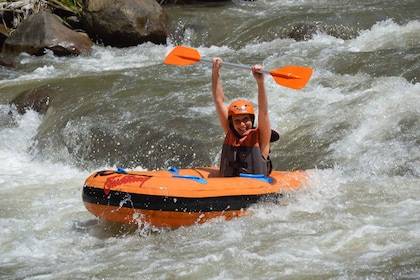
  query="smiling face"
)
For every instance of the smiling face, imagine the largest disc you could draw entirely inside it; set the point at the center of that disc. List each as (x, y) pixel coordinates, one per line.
(242, 123)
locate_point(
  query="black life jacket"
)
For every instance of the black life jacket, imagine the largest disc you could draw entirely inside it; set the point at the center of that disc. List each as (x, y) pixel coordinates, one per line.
(243, 155)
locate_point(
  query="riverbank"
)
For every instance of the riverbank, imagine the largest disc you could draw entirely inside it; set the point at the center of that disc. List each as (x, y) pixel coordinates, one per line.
(34, 27)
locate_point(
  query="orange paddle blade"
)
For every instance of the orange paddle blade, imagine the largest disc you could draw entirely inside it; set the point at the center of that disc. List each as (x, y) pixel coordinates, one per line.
(182, 56)
(295, 77)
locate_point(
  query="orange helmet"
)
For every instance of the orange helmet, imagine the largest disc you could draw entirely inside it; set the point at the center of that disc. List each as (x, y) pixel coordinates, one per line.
(241, 107)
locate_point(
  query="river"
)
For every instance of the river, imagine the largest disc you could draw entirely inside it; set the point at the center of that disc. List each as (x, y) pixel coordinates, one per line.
(355, 127)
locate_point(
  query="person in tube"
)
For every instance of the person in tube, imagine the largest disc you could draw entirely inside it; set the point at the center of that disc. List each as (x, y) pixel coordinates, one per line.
(246, 148)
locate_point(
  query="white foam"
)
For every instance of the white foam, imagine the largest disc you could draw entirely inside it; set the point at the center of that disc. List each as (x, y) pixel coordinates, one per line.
(386, 35)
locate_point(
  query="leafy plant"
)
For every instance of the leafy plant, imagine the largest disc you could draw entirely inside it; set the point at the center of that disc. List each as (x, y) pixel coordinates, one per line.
(75, 5)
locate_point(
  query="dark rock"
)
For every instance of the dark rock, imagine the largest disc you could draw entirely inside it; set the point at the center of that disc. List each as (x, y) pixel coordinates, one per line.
(124, 23)
(3, 34)
(6, 61)
(74, 22)
(38, 99)
(46, 31)
(7, 17)
(303, 32)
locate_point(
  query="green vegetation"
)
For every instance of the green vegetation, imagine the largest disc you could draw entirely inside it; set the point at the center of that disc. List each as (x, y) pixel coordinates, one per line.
(63, 8)
(75, 5)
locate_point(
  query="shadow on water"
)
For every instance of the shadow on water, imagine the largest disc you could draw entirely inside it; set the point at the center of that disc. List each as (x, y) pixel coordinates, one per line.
(104, 229)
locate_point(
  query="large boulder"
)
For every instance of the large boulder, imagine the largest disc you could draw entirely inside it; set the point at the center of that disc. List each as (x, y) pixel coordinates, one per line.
(124, 23)
(43, 31)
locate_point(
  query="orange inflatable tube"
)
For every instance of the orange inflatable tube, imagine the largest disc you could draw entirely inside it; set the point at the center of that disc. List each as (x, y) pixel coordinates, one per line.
(180, 197)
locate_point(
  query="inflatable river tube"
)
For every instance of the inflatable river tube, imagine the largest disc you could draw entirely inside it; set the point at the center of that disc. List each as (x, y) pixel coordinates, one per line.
(180, 197)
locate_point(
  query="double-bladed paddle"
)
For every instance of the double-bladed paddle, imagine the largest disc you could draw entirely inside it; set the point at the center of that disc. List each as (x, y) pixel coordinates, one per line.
(294, 77)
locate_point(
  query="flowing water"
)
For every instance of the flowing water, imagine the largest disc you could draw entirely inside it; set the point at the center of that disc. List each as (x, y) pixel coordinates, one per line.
(355, 127)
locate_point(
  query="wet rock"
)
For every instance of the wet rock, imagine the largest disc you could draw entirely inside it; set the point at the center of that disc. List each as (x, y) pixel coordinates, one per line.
(37, 99)
(43, 31)
(303, 32)
(124, 23)
(6, 61)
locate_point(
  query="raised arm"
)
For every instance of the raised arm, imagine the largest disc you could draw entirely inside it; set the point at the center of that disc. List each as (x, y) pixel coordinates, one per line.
(218, 95)
(263, 117)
